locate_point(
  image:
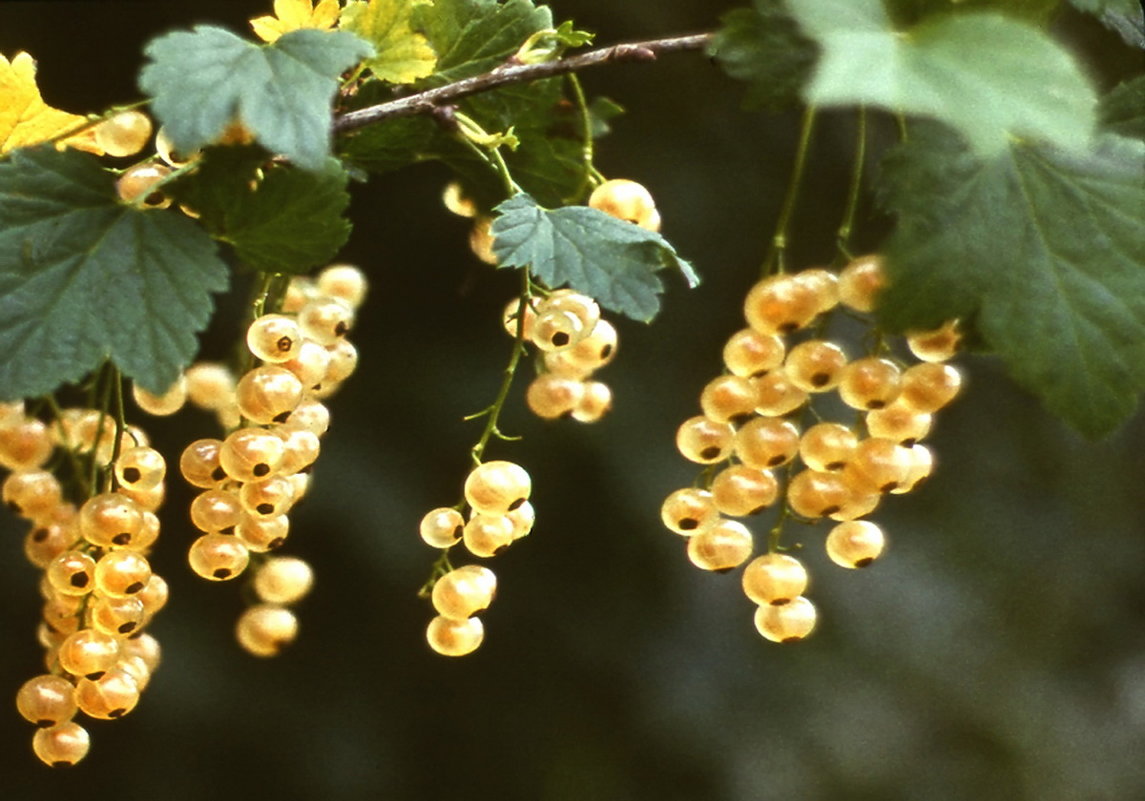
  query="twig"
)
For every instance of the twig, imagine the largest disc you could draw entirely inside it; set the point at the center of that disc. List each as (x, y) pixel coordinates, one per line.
(428, 101)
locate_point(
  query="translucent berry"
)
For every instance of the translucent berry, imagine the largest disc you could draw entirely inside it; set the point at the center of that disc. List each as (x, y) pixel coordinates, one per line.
(218, 557)
(262, 534)
(270, 497)
(143, 646)
(860, 283)
(496, 487)
(268, 394)
(442, 527)
(216, 511)
(862, 502)
(119, 574)
(283, 580)
(928, 387)
(704, 441)
(584, 308)
(898, 422)
(815, 365)
(154, 596)
(111, 696)
(123, 134)
(790, 622)
(488, 535)
(777, 393)
(265, 629)
(250, 454)
(767, 442)
(274, 338)
(749, 353)
(879, 465)
(589, 354)
(341, 363)
(689, 511)
(344, 282)
(780, 304)
(827, 446)
(450, 637)
(811, 493)
(165, 149)
(301, 448)
(626, 200)
(729, 399)
(721, 546)
(88, 653)
(311, 415)
(825, 285)
(117, 616)
(522, 518)
(938, 345)
(455, 200)
(140, 468)
(46, 700)
(138, 185)
(200, 466)
(24, 444)
(549, 396)
(210, 385)
(855, 543)
(61, 745)
(556, 329)
(481, 240)
(921, 465)
(326, 320)
(32, 494)
(110, 519)
(595, 402)
(741, 490)
(45, 542)
(774, 579)
(870, 383)
(464, 592)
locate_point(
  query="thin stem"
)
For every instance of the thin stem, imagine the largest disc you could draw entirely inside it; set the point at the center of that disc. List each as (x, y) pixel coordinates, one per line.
(591, 176)
(72, 456)
(428, 101)
(775, 262)
(120, 422)
(471, 135)
(104, 403)
(843, 242)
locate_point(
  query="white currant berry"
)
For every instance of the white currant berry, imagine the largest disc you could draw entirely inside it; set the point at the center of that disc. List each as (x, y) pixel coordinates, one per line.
(123, 134)
(723, 545)
(274, 338)
(860, 283)
(855, 543)
(689, 511)
(626, 200)
(441, 527)
(450, 637)
(265, 629)
(283, 580)
(704, 441)
(497, 487)
(345, 282)
(790, 622)
(774, 579)
(464, 592)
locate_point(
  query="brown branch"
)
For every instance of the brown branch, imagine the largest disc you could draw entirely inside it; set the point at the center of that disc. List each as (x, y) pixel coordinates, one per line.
(429, 101)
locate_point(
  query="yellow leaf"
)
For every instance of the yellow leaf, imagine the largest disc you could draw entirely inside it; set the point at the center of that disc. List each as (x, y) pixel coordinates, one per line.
(291, 15)
(25, 119)
(403, 55)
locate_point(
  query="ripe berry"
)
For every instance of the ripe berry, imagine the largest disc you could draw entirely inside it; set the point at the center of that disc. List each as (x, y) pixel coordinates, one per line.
(595, 402)
(749, 353)
(165, 149)
(497, 487)
(767, 442)
(741, 490)
(250, 454)
(522, 518)
(777, 393)
(879, 465)
(442, 527)
(814, 494)
(32, 494)
(119, 574)
(454, 637)
(300, 448)
(326, 320)
(274, 338)
(109, 697)
(45, 542)
(781, 304)
(116, 616)
(870, 383)
(210, 385)
(788, 623)
(815, 365)
(589, 354)
(488, 535)
(464, 592)
(721, 546)
(110, 519)
(898, 422)
(310, 414)
(927, 387)
(268, 394)
(344, 282)
(549, 396)
(200, 466)
(24, 444)
(140, 468)
(218, 557)
(729, 399)
(265, 629)
(262, 534)
(626, 200)
(455, 200)
(556, 329)
(827, 446)
(270, 497)
(61, 745)
(825, 285)
(921, 465)
(481, 240)
(88, 653)
(704, 441)
(860, 283)
(855, 543)
(283, 580)
(774, 579)
(689, 511)
(938, 345)
(46, 700)
(137, 185)
(123, 134)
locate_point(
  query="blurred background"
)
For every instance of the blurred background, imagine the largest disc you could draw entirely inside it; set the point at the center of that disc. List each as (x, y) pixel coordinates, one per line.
(997, 651)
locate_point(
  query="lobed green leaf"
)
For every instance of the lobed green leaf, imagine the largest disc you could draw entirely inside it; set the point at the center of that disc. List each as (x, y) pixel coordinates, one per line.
(1122, 111)
(613, 261)
(1042, 250)
(764, 47)
(474, 36)
(1126, 17)
(84, 278)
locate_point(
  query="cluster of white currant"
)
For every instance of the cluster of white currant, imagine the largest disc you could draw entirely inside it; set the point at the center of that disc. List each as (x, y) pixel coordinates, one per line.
(497, 495)
(752, 418)
(252, 477)
(98, 587)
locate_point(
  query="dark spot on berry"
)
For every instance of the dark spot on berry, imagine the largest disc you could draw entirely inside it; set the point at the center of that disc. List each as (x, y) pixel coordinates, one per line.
(864, 562)
(281, 418)
(516, 504)
(738, 420)
(95, 675)
(710, 452)
(890, 485)
(79, 580)
(126, 628)
(341, 328)
(830, 510)
(133, 588)
(261, 469)
(117, 713)
(909, 442)
(791, 639)
(131, 474)
(228, 530)
(45, 723)
(264, 508)
(876, 404)
(275, 543)
(39, 535)
(776, 460)
(121, 539)
(500, 550)
(221, 573)
(15, 507)
(605, 351)
(781, 602)
(218, 474)
(284, 344)
(560, 339)
(836, 465)
(723, 570)
(787, 328)
(820, 379)
(458, 531)
(566, 415)
(136, 635)
(154, 199)
(688, 523)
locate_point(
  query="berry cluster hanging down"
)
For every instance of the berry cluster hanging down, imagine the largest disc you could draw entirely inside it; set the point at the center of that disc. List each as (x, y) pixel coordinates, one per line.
(753, 437)
(98, 587)
(252, 477)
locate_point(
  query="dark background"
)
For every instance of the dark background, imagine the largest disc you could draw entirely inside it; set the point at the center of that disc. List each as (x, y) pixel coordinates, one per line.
(996, 652)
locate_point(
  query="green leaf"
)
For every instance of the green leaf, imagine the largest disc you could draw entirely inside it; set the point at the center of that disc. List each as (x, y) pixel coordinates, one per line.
(403, 55)
(1042, 250)
(764, 47)
(474, 36)
(202, 81)
(289, 221)
(1122, 111)
(613, 261)
(84, 277)
(990, 77)
(1124, 16)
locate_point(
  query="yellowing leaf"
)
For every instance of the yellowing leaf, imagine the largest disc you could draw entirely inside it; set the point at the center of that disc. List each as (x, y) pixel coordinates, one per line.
(291, 15)
(25, 119)
(403, 55)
